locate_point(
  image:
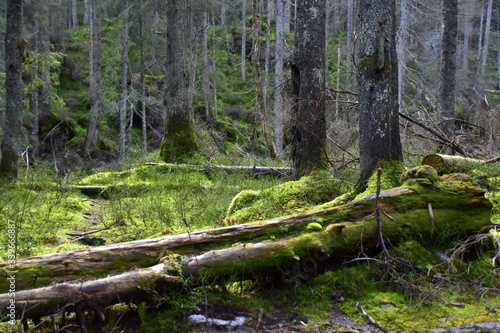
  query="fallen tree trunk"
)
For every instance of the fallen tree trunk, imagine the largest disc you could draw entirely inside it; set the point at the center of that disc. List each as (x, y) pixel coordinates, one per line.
(450, 163)
(256, 170)
(68, 297)
(42, 270)
(418, 210)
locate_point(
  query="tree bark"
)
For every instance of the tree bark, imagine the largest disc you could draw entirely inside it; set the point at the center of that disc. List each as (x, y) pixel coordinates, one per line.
(13, 90)
(95, 79)
(376, 62)
(243, 51)
(261, 98)
(448, 66)
(278, 76)
(205, 76)
(180, 138)
(485, 49)
(401, 50)
(308, 124)
(457, 205)
(124, 86)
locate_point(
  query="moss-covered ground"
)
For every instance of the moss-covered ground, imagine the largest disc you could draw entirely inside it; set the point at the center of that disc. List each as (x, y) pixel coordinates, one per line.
(443, 288)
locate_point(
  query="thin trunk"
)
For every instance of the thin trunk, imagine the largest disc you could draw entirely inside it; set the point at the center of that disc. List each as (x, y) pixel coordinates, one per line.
(278, 76)
(124, 87)
(487, 29)
(243, 54)
(143, 86)
(86, 11)
(265, 87)
(205, 76)
(223, 14)
(338, 83)
(95, 80)
(287, 12)
(401, 50)
(72, 14)
(470, 9)
(45, 70)
(264, 117)
(350, 29)
(480, 41)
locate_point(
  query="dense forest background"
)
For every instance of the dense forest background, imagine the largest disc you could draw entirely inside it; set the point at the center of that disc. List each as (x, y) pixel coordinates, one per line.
(68, 43)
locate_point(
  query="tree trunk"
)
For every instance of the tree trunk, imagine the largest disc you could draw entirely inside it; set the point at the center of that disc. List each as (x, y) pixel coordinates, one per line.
(35, 74)
(14, 46)
(448, 67)
(72, 14)
(86, 11)
(444, 164)
(261, 98)
(243, 52)
(143, 84)
(205, 76)
(124, 86)
(180, 138)
(278, 76)
(95, 80)
(485, 49)
(377, 85)
(308, 128)
(401, 50)
(421, 211)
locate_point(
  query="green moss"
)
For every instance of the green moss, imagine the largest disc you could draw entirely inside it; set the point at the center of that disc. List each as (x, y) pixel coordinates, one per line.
(390, 177)
(284, 199)
(314, 227)
(179, 145)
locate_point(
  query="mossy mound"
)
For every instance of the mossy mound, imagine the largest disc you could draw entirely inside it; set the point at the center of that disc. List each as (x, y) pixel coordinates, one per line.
(285, 199)
(390, 177)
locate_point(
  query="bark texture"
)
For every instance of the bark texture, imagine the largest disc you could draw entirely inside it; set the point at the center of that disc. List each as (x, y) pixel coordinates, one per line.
(95, 78)
(308, 130)
(180, 139)
(14, 48)
(447, 80)
(377, 85)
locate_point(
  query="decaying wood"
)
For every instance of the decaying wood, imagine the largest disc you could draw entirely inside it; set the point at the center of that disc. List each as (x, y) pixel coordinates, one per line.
(107, 259)
(235, 254)
(246, 250)
(257, 170)
(134, 285)
(449, 163)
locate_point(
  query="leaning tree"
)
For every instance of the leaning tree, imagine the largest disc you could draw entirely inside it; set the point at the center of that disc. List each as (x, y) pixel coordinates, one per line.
(377, 67)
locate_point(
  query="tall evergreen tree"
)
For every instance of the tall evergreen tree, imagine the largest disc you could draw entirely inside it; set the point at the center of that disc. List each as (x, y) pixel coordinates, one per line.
(13, 88)
(377, 85)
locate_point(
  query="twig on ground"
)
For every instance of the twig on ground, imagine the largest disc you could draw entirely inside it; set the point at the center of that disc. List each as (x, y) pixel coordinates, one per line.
(370, 320)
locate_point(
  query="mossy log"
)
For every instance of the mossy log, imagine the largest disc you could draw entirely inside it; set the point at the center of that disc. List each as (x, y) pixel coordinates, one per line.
(426, 209)
(450, 163)
(135, 285)
(256, 170)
